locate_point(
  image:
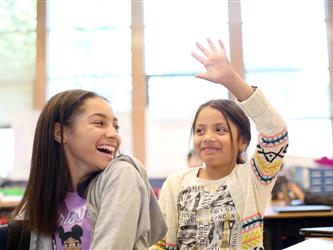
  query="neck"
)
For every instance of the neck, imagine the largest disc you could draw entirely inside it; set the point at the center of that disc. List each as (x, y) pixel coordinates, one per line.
(215, 173)
(76, 175)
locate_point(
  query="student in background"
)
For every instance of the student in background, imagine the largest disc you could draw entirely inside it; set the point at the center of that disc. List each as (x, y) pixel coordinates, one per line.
(221, 204)
(287, 191)
(193, 160)
(290, 193)
(75, 147)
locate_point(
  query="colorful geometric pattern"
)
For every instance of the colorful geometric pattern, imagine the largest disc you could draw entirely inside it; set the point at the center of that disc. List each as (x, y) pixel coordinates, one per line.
(268, 157)
(171, 247)
(163, 245)
(272, 141)
(252, 232)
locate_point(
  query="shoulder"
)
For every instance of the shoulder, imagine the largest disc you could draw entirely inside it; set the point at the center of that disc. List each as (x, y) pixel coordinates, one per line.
(241, 174)
(176, 178)
(119, 174)
(124, 167)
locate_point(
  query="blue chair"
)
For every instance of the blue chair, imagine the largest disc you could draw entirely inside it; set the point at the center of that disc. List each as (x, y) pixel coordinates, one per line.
(3, 236)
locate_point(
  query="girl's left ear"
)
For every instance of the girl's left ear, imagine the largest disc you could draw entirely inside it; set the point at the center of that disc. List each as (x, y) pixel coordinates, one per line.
(58, 132)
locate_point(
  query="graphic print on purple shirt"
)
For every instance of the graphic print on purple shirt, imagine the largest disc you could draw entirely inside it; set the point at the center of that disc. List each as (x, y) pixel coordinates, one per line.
(74, 227)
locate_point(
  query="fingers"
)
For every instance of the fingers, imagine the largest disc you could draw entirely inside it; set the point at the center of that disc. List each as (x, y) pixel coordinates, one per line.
(202, 49)
(221, 44)
(211, 45)
(199, 58)
(201, 75)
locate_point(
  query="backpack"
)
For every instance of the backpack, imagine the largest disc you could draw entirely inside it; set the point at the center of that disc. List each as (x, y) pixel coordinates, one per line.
(3, 236)
(14, 236)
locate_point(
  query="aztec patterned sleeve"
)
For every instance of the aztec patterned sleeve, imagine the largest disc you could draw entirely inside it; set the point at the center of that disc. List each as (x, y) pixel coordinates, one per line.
(272, 141)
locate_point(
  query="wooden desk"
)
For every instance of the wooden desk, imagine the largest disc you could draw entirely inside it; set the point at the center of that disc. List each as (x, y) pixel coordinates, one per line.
(313, 243)
(292, 215)
(282, 229)
(8, 204)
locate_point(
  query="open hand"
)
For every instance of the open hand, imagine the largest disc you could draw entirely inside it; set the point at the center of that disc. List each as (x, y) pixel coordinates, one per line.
(216, 62)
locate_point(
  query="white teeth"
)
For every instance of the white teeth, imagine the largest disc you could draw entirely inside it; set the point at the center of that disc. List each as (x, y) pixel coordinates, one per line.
(106, 147)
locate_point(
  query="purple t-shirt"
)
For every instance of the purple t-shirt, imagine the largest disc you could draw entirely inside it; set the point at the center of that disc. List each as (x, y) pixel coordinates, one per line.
(74, 227)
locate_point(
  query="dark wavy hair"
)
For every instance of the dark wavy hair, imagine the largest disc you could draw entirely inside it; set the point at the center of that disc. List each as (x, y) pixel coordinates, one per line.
(49, 179)
(232, 113)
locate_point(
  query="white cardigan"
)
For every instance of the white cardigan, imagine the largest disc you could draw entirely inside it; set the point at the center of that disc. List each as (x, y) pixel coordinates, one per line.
(249, 184)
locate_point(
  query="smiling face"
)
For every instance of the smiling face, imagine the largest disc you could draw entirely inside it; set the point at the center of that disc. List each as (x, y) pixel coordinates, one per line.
(93, 140)
(213, 141)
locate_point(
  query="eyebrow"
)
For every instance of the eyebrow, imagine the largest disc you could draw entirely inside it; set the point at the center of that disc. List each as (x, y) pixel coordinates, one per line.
(115, 119)
(215, 124)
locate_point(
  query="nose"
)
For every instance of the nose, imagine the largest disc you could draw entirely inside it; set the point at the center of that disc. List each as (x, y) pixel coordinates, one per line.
(112, 133)
(209, 136)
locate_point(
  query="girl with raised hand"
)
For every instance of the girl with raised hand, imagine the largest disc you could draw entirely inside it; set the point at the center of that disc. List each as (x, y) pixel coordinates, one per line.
(221, 204)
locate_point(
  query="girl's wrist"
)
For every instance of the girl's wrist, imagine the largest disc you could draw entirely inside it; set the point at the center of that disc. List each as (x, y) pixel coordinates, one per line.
(230, 79)
(240, 89)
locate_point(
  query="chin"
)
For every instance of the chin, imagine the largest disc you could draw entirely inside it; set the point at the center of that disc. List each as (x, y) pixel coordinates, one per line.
(104, 166)
(212, 163)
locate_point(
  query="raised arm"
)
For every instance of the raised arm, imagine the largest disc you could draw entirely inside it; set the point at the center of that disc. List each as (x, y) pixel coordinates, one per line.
(220, 71)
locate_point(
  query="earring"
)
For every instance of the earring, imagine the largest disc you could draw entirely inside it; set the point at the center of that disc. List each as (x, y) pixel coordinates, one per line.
(243, 155)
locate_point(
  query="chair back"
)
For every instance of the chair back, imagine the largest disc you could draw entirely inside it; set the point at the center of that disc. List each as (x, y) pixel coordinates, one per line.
(3, 236)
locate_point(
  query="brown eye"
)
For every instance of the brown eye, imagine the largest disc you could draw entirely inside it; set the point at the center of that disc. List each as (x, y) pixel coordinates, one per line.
(199, 131)
(221, 130)
(116, 127)
(99, 123)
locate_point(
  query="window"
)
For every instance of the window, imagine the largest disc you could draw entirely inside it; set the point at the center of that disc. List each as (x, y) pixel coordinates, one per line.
(17, 71)
(171, 29)
(89, 47)
(17, 57)
(285, 53)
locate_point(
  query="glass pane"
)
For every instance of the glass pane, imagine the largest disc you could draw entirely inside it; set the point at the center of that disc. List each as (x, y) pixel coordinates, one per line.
(172, 28)
(305, 136)
(6, 152)
(310, 138)
(91, 51)
(18, 16)
(97, 52)
(173, 97)
(173, 102)
(118, 90)
(296, 94)
(125, 131)
(14, 97)
(89, 14)
(285, 53)
(168, 142)
(292, 68)
(295, 42)
(17, 57)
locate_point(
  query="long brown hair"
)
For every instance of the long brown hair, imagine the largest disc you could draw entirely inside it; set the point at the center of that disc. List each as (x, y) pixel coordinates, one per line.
(49, 178)
(231, 112)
